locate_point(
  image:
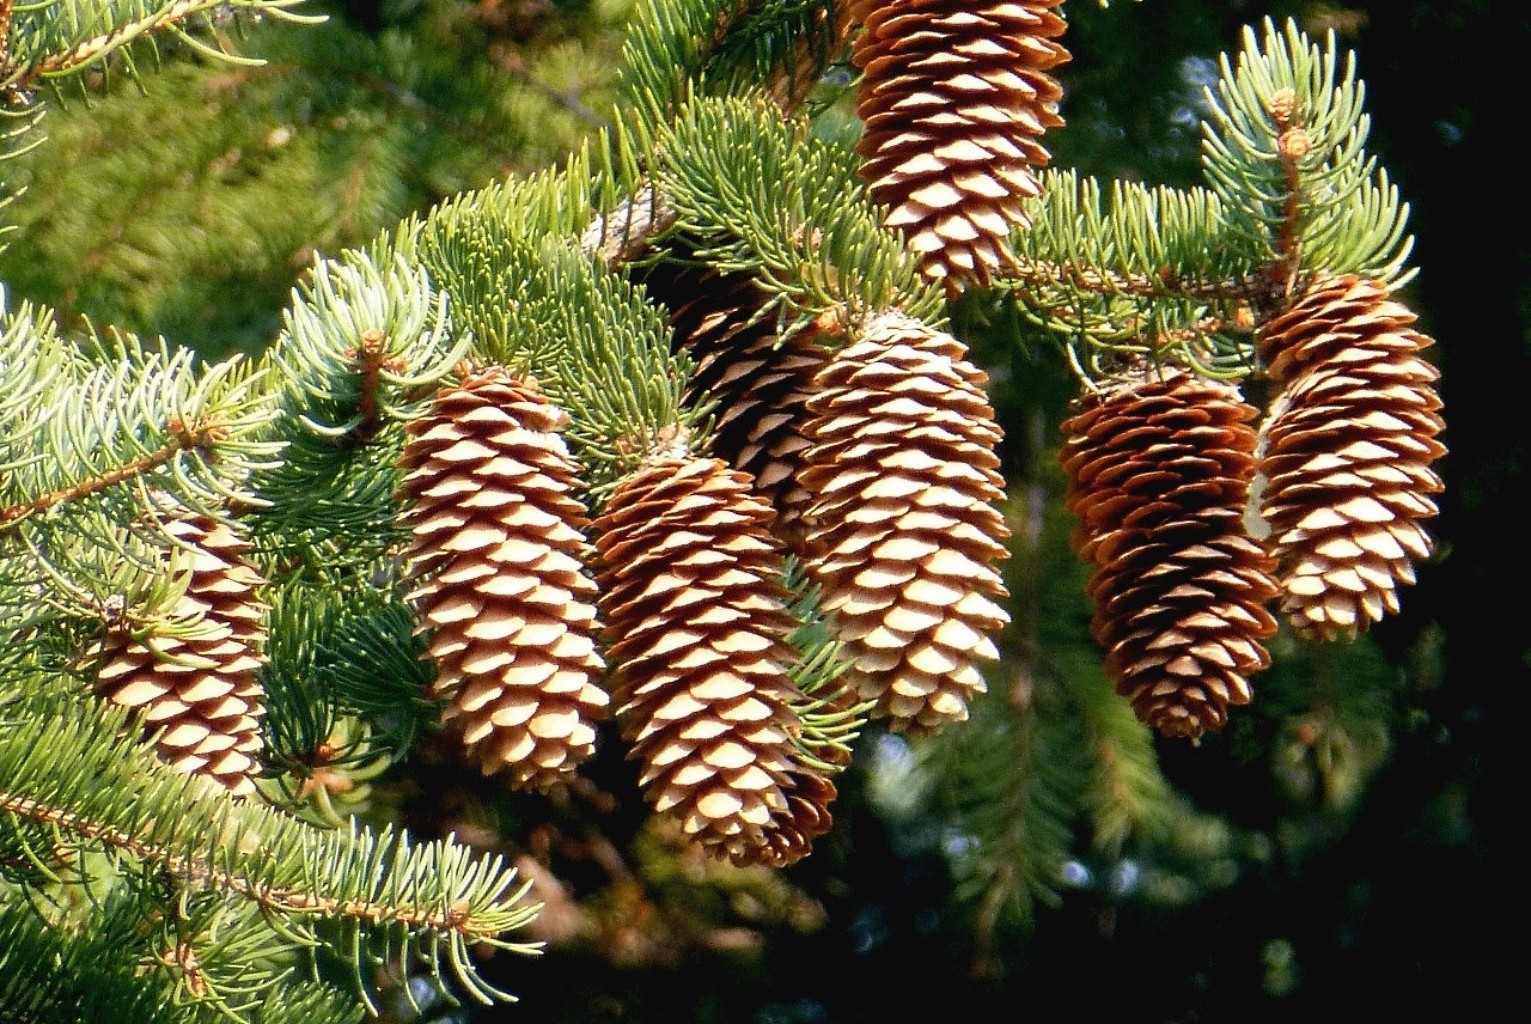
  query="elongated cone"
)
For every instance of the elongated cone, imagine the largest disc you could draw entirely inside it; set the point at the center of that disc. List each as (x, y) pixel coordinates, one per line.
(489, 499)
(955, 96)
(1159, 474)
(692, 597)
(196, 686)
(905, 529)
(759, 380)
(1347, 456)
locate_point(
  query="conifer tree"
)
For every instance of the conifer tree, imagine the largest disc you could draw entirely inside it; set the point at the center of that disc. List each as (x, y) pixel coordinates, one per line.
(679, 447)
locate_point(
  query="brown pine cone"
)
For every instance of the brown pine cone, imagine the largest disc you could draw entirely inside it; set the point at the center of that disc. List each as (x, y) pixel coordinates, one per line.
(759, 381)
(905, 527)
(489, 499)
(692, 596)
(955, 96)
(1347, 455)
(1159, 474)
(196, 686)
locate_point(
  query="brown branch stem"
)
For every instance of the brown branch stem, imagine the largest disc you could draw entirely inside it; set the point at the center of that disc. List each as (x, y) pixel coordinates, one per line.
(1292, 144)
(1107, 282)
(199, 870)
(183, 438)
(90, 49)
(372, 353)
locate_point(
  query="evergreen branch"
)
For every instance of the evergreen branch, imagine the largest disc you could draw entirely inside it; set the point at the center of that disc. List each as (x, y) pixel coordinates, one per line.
(198, 437)
(1139, 241)
(47, 46)
(1126, 794)
(1011, 784)
(139, 414)
(556, 202)
(756, 194)
(679, 48)
(1140, 272)
(825, 702)
(75, 975)
(68, 771)
(34, 361)
(335, 653)
(592, 342)
(1284, 148)
(70, 972)
(361, 347)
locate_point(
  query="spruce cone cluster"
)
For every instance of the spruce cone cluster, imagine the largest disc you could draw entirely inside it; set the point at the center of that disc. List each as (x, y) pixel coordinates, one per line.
(904, 530)
(196, 686)
(489, 499)
(759, 380)
(1347, 454)
(954, 96)
(1159, 472)
(691, 593)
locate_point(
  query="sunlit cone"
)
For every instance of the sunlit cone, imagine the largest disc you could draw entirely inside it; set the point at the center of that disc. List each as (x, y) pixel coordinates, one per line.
(759, 381)
(692, 597)
(905, 529)
(1347, 457)
(1159, 474)
(955, 96)
(489, 498)
(195, 683)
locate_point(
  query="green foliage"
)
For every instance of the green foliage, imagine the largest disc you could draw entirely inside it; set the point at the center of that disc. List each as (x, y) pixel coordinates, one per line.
(677, 48)
(752, 192)
(1285, 149)
(367, 898)
(189, 207)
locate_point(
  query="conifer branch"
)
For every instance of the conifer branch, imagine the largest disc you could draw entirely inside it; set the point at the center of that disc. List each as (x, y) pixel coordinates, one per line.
(138, 20)
(203, 871)
(184, 437)
(66, 773)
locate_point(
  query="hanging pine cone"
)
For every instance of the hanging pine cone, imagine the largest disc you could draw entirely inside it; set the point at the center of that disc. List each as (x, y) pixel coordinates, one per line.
(692, 597)
(196, 686)
(954, 96)
(489, 500)
(904, 529)
(759, 380)
(1347, 454)
(1159, 474)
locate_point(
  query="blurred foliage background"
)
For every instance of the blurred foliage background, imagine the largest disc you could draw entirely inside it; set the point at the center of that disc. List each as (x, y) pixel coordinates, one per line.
(1347, 838)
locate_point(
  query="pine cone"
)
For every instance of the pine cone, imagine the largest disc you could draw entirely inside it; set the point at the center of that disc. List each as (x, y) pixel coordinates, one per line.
(954, 97)
(692, 596)
(759, 380)
(489, 499)
(1347, 454)
(904, 527)
(196, 688)
(1159, 473)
